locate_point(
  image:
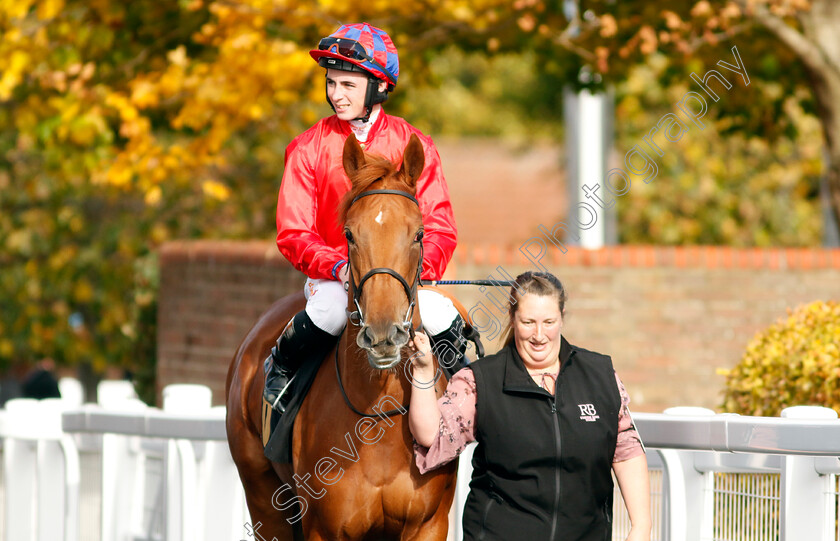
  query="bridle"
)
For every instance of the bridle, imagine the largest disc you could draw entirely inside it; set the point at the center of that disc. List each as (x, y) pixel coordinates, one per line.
(357, 317)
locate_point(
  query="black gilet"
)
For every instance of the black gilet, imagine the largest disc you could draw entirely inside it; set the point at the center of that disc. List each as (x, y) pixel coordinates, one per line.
(541, 469)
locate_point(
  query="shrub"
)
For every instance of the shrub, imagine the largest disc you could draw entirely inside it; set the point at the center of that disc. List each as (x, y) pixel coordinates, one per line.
(795, 362)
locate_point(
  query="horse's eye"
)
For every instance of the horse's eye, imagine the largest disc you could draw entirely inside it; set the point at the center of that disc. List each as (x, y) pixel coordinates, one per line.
(419, 236)
(349, 236)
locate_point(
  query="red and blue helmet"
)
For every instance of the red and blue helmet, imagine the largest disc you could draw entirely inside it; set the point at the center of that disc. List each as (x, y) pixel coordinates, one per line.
(360, 47)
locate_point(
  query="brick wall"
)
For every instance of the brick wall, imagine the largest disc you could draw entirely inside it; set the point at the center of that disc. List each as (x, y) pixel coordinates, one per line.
(670, 317)
(211, 293)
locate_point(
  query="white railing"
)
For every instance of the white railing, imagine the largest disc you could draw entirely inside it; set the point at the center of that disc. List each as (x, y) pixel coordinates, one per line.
(734, 477)
(167, 474)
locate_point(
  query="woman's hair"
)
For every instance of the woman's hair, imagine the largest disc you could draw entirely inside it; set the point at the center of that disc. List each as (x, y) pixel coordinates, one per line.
(542, 284)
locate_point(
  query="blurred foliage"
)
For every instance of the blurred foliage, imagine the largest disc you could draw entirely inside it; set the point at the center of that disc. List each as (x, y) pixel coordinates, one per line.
(795, 362)
(714, 187)
(473, 94)
(614, 38)
(126, 124)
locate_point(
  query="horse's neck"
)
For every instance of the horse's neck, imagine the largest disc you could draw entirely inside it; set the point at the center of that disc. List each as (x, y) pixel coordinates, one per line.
(363, 384)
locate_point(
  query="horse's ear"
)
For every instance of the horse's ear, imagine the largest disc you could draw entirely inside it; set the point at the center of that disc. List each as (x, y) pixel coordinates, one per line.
(354, 156)
(413, 159)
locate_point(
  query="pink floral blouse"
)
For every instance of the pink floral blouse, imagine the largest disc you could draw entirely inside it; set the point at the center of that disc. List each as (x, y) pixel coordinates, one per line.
(457, 423)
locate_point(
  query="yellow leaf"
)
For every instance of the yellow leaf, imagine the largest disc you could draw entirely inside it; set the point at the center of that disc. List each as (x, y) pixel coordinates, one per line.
(83, 291)
(215, 190)
(119, 175)
(178, 56)
(701, 9)
(153, 196)
(47, 9)
(16, 9)
(7, 348)
(608, 26)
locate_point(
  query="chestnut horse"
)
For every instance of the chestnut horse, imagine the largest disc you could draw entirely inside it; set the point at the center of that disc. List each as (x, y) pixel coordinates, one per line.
(352, 474)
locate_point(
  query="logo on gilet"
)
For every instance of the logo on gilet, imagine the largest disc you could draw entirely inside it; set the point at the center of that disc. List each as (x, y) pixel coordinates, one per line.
(588, 413)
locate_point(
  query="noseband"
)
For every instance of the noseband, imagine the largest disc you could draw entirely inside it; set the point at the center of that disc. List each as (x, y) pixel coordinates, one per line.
(357, 317)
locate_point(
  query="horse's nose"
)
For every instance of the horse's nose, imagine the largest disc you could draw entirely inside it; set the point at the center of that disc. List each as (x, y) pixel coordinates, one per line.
(365, 338)
(397, 336)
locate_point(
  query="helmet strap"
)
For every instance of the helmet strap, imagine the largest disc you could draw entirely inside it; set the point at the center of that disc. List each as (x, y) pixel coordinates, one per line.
(368, 111)
(327, 94)
(372, 97)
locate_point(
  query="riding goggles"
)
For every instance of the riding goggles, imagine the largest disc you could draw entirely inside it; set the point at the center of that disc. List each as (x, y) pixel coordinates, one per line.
(352, 49)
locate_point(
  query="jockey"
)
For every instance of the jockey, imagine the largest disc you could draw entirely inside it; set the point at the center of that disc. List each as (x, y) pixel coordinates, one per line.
(361, 69)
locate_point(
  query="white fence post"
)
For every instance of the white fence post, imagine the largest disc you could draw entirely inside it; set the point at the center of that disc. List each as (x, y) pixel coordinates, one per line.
(123, 476)
(690, 497)
(180, 462)
(72, 392)
(20, 463)
(113, 393)
(808, 509)
(41, 469)
(223, 519)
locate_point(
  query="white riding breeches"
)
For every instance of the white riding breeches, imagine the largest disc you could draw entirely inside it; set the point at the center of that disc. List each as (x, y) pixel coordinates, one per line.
(326, 304)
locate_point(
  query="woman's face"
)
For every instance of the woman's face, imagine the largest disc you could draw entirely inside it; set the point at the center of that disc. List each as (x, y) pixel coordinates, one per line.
(536, 330)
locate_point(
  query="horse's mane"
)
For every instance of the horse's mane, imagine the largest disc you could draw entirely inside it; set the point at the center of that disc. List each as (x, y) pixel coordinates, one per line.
(376, 169)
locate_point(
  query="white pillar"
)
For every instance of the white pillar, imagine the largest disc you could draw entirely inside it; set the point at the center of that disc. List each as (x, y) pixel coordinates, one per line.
(123, 475)
(41, 468)
(590, 153)
(808, 507)
(180, 462)
(690, 492)
(221, 499)
(588, 121)
(20, 469)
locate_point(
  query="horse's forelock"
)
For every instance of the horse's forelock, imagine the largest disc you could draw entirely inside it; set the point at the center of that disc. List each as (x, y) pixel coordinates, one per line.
(376, 168)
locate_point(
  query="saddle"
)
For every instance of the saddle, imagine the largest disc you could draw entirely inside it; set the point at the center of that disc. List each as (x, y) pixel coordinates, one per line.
(277, 428)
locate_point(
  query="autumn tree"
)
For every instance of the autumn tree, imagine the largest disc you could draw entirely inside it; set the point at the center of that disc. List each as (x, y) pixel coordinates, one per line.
(788, 46)
(119, 125)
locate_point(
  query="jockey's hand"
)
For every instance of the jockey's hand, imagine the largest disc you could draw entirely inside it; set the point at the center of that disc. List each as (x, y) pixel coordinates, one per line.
(344, 276)
(421, 344)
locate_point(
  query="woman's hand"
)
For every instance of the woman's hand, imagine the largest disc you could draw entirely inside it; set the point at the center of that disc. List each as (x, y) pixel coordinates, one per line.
(423, 359)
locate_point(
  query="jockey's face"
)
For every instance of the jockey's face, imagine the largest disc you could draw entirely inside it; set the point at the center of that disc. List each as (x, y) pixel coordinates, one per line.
(346, 90)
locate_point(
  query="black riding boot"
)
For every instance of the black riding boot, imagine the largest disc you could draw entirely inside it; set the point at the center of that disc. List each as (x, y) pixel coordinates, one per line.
(301, 341)
(450, 347)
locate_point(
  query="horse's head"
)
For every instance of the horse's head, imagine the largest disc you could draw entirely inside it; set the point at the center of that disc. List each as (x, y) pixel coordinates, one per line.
(384, 229)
